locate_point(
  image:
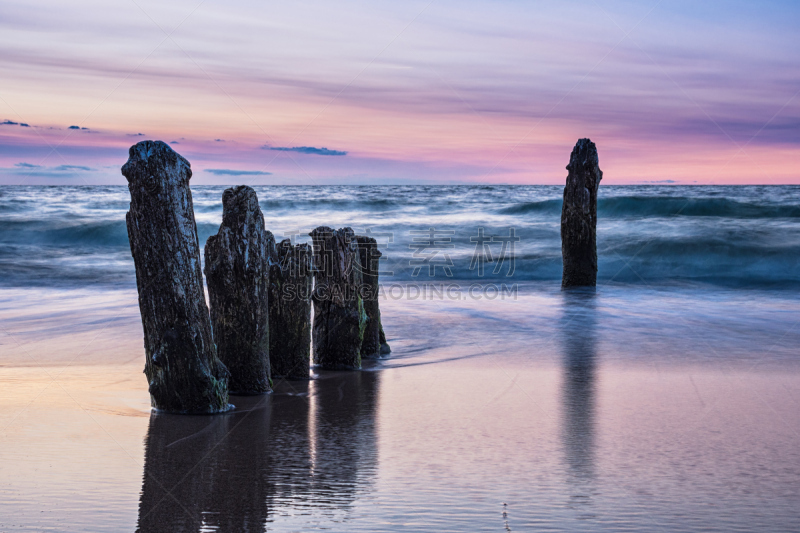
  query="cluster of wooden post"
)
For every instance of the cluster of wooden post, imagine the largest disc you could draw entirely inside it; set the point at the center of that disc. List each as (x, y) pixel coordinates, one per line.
(260, 292)
(261, 295)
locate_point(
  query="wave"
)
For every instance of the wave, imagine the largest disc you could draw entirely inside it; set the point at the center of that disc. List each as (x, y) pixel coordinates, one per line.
(313, 204)
(80, 236)
(666, 206)
(543, 206)
(42, 232)
(17, 206)
(725, 260)
(743, 262)
(95, 234)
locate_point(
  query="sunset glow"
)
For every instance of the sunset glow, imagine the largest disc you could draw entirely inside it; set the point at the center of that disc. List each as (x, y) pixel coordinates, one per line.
(416, 92)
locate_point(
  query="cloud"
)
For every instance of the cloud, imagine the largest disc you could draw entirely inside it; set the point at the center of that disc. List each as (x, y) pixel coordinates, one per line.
(71, 168)
(232, 172)
(305, 150)
(661, 181)
(77, 128)
(12, 123)
(220, 140)
(60, 171)
(174, 142)
(24, 125)
(135, 134)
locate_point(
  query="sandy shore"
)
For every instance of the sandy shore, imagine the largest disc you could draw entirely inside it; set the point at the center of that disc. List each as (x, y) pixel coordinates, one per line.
(570, 427)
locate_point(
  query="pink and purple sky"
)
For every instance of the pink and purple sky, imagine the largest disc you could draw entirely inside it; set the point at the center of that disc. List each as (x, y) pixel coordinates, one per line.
(377, 92)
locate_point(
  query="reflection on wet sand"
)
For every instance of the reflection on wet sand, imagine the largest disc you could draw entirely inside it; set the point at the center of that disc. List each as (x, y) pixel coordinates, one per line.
(578, 341)
(307, 449)
(345, 448)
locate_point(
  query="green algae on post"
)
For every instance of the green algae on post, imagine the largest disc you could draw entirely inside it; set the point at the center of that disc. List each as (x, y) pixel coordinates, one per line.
(374, 344)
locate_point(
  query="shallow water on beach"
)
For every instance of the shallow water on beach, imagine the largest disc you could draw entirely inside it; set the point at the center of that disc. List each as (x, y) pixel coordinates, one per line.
(666, 400)
(670, 409)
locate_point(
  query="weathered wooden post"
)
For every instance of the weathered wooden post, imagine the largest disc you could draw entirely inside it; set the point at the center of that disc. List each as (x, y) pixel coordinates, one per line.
(579, 217)
(374, 343)
(339, 317)
(182, 367)
(237, 271)
(290, 311)
(385, 348)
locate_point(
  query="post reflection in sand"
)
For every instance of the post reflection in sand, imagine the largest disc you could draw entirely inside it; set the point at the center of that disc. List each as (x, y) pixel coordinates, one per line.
(578, 341)
(308, 449)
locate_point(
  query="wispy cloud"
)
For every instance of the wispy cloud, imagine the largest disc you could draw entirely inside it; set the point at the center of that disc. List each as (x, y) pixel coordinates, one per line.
(305, 150)
(233, 172)
(24, 168)
(498, 92)
(12, 123)
(77, 128)
(71, 168)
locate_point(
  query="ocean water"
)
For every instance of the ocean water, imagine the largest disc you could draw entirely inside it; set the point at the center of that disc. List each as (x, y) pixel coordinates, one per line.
(665, 400)
(732, 236)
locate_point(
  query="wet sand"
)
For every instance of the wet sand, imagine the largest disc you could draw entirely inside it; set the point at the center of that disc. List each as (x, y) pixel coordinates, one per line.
(479, 421)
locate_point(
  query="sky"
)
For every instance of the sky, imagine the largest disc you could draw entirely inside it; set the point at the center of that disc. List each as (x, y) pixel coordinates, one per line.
(428, 92)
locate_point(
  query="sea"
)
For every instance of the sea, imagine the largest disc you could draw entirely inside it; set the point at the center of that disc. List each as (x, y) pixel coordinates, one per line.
(665, 399)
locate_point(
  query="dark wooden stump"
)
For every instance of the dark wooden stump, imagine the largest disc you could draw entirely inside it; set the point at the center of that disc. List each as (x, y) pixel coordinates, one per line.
(579, 217)
(374, 343)
(339, 317)
(385, 348)
(237, 272)
(290, 311)
(182, 367)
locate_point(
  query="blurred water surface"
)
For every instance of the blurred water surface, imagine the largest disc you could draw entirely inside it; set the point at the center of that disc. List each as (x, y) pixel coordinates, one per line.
(724, 235)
